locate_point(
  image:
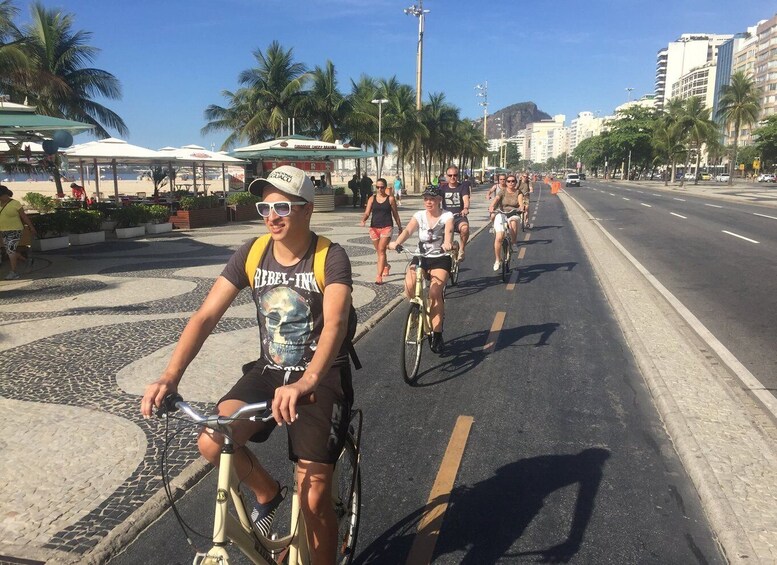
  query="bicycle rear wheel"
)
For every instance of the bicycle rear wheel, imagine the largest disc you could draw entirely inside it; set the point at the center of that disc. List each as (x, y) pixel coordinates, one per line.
(524, 221)
(506, 252)
(348, 502)
(412, 343)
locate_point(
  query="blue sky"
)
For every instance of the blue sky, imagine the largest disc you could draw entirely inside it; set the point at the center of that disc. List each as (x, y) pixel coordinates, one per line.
(174, 58)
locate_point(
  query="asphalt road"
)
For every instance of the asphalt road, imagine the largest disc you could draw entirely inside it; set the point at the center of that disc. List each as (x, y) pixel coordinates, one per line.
(566, 459)
(719, 258)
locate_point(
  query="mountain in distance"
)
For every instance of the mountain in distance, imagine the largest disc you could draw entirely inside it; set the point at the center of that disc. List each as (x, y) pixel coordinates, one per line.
(514, 118)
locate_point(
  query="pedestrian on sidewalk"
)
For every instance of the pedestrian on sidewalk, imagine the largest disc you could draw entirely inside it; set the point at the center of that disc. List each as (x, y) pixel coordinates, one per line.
(13, 223)
(398, 190)
(365, 189)
(382, 206)
(354, 186)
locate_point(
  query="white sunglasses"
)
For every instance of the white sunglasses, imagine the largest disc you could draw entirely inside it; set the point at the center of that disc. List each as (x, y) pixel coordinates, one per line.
(282, 208)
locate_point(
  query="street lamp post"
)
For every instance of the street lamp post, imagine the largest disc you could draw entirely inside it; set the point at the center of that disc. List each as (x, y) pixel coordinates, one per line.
(380, 102)
(483, 93)
(418, 11)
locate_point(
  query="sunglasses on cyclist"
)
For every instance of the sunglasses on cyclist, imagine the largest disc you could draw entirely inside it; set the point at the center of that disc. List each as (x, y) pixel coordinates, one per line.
(282, 208)
(512, 181)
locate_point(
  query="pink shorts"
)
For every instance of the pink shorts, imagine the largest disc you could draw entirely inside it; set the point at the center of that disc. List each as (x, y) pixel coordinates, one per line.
(377, 233)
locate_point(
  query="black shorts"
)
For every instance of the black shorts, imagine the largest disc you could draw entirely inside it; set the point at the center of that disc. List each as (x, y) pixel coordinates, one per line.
(457, 221)
(319, 433)
(429, 263)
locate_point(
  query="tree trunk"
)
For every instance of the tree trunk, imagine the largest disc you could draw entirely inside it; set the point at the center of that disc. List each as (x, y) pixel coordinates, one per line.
(698, 164)
(734, 158)
(674, 170)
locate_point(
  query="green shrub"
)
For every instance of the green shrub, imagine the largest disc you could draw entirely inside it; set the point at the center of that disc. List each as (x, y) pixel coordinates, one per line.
(199, 202)
(41, 203)
(181, 193)
(239, 198)
(54, 224)
(340, 190)
(106, 209)
(83, 221)
(130, 216)
(158, 213)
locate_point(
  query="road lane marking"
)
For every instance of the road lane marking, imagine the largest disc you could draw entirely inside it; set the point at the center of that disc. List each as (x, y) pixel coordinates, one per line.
(611, 194)
(740, 236)
(513, 280)
(521, 253)
(679, 216)
(643, 204)
(526, 237)
(764, 216)
(626, 198)
(713, 206)
(493, 334)
(680, 199)
(434, 512)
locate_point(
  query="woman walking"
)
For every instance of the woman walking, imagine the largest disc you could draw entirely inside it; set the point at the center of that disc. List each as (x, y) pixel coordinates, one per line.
(383, 208)
(13, 221)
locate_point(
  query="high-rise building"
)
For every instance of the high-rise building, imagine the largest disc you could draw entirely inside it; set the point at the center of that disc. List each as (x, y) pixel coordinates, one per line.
(726, 62)
(766, 66)
(699, 81)
(691, 50)
(584, 126)
(547, 138)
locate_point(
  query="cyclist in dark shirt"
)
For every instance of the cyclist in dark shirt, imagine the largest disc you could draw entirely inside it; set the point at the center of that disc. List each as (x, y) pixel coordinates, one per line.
(455, 199)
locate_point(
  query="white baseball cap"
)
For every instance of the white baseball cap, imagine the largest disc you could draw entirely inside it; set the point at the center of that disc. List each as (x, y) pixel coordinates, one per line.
(289, 180)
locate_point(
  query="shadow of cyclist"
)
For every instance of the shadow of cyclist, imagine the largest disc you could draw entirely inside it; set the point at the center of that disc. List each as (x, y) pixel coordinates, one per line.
(512, 336)
(486, 519)
(460, 355)
(530, 272)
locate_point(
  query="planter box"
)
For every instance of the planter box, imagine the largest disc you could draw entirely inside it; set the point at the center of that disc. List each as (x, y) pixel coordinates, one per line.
(324, 203)
(158, 228)
(50, 243)
(108, 225)
(87, 238)
(242, 213)
(343, 200)
(188, 219)
(126, 233)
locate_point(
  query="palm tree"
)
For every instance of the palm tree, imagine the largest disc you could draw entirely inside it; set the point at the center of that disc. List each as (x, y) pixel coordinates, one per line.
(57, 82)
(696, 121)
(361, 122)
(275, 88)
(669, 137)
(235, 118)
(440, 119)
(401, 124)
(739, 105)
(12, 58)
(324, 105)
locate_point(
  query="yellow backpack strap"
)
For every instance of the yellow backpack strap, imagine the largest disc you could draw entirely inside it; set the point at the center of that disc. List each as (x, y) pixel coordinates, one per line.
(255, 257)
(319, 261)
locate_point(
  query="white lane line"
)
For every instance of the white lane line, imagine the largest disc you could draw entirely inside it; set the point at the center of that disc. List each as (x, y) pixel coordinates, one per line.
(639, 192)
(611, 194)
(679, 216)
(626, 198)
(740, 236)
(764, 216)
(643, 204)
(713, 206)
(680, 199)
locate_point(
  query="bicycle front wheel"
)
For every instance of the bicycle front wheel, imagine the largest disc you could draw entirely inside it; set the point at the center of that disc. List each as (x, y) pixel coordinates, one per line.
(412, 343)
(348, 502)
(505, 259)
(454, 278)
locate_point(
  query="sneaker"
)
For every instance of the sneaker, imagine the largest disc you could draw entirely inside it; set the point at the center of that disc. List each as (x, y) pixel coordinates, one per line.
(497, 264)
(436, 343)
(263, 514)
(12, 276)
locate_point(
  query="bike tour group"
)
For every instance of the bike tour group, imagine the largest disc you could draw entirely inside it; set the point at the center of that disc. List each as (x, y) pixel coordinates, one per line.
(301, 284)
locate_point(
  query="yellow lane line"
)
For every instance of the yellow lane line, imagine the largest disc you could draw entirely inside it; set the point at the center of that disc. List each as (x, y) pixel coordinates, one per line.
(496, 327)
(521, 252)
(437, 504)
(527, 236)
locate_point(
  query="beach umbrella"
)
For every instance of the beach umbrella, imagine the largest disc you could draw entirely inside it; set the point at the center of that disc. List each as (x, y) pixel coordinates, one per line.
(112, 151)
(195, 154)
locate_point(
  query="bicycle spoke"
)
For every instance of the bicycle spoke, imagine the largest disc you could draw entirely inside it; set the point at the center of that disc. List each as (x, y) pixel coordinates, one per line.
(347, 502)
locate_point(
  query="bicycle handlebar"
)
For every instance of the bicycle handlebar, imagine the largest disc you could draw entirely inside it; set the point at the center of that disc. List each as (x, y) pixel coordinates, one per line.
(401, 248)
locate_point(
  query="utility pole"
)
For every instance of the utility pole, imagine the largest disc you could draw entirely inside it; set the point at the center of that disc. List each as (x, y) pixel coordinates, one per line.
(629, 89)
(418, 11)
(483, 93)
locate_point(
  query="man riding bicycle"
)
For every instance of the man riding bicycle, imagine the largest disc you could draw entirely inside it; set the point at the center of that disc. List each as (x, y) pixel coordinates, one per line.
(509, 202)
(455, 199)
(302, 331)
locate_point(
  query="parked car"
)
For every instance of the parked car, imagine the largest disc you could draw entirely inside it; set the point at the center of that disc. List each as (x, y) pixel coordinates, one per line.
(722, 177)
(705, 176)
(766, 178)
(573, 179)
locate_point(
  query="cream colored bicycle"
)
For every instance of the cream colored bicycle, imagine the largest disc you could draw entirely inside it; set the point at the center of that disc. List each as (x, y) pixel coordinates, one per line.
(237, 528)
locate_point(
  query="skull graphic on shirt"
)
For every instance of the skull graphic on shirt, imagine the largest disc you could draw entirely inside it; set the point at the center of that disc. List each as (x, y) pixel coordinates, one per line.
(287, 325)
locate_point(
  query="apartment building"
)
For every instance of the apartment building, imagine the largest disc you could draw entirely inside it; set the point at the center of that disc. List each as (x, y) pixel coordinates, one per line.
(584, 126)
(679, 57)
(547, 138)
(699, 81)
(766, 66)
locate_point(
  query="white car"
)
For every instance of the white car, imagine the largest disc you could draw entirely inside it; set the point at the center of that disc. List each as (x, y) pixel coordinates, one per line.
(766, 178)
(573, 179)
(722, 177)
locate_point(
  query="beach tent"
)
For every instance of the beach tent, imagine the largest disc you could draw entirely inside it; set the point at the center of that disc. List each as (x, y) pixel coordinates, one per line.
(112, 151)
(194, 155)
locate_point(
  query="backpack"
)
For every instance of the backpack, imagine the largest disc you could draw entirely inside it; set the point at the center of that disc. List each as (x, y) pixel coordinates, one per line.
(254, 259)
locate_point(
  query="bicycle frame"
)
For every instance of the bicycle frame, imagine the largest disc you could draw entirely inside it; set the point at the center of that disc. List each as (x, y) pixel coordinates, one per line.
(421, 297)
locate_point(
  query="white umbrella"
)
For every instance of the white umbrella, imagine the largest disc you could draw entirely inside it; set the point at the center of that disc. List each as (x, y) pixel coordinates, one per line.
(195, 154)
(112, 151)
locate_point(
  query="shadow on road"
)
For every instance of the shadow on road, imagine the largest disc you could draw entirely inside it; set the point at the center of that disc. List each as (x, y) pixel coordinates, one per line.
(484, 520)
(511, 336)
(460, 355)
(530, 272)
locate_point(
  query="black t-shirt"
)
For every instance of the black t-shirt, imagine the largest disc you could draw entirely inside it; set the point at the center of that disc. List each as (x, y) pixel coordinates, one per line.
(289, 304)
(453, 198)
